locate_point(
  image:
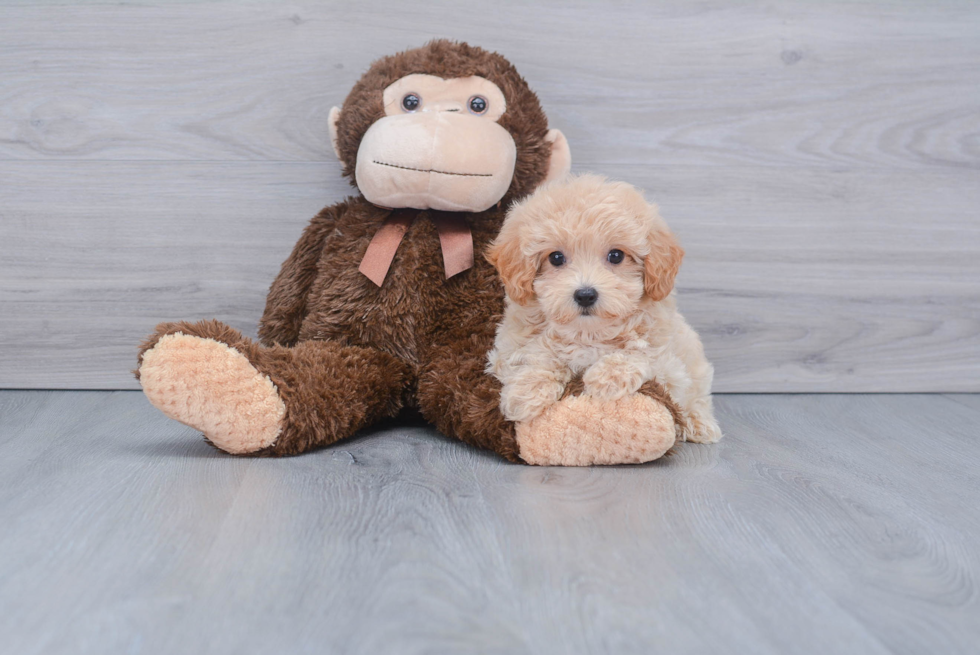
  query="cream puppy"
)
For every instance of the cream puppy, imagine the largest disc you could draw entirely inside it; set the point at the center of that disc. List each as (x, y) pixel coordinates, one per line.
(589, 268)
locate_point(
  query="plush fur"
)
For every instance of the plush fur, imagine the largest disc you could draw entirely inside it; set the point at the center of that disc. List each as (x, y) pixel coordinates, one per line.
(305, 376)
(342, 352)
(632, 333)
(236, 406)
(577, 432)
(524, 118)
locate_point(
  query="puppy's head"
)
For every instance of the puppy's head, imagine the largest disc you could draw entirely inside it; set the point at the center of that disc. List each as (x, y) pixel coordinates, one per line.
(585, 249)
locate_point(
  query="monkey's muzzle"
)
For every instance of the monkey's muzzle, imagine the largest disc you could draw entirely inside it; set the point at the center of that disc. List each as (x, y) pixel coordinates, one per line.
(436, 160)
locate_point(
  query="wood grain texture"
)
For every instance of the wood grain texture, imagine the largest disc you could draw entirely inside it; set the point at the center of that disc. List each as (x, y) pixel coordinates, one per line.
(967, 399)
(821, 163)
(821, 523)
(780, 83)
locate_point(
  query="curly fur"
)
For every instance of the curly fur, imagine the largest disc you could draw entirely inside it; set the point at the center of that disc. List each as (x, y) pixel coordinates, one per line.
(633, 332)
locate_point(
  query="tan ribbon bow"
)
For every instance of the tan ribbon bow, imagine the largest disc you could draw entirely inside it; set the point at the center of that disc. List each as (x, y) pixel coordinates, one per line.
(455, 238)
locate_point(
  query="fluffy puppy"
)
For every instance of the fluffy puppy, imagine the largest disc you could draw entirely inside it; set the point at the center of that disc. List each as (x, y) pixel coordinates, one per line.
(589, 268)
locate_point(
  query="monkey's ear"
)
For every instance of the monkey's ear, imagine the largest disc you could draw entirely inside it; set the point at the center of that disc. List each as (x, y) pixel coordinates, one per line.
(560, 162)
(661, 265)
(516, 269)
(332, 120)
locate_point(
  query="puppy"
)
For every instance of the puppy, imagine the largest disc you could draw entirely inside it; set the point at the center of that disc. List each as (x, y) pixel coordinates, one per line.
(589, 269)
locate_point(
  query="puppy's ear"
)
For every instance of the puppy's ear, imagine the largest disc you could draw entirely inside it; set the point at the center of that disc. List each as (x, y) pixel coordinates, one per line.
(517, 270)
(661, 265)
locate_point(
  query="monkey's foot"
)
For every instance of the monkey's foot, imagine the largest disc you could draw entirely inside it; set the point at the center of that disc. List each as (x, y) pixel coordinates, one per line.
(213, 388)
(583, 431)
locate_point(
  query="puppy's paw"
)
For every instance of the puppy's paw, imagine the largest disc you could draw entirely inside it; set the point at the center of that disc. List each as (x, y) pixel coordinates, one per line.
(530, 393)
(612, 377)
(701, 426)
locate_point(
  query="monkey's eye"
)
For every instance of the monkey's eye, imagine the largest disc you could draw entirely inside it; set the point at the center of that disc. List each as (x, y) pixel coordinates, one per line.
(556, 258)
(411, 102)
(615, 256)
(478, 104)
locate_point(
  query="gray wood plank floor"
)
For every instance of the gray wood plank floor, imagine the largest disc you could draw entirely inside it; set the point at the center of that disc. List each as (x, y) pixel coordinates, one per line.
(821, 524)
(819, 161)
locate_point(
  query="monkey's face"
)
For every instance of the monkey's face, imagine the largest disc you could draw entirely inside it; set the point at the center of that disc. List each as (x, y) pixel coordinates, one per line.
(447, 126)
(438, 146)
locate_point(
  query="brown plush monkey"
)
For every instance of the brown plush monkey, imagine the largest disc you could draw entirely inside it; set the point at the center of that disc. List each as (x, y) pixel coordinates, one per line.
(380, 307)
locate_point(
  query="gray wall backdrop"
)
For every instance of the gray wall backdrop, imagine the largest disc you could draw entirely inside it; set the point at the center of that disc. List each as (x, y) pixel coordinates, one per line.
(820, 162)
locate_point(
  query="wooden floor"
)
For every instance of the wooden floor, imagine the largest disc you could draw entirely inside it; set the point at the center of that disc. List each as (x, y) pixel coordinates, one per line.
(822, 523)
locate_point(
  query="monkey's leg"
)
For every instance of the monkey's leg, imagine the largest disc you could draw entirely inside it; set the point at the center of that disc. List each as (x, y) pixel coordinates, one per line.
(248, 398)
(580, 430)
(462, 401)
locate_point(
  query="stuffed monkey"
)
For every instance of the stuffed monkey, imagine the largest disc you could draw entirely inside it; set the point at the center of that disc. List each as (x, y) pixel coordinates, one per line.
(387, 302)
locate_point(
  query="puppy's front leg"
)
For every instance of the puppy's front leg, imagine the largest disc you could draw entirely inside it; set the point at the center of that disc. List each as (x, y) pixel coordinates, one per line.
(531, 389)
(613, 376)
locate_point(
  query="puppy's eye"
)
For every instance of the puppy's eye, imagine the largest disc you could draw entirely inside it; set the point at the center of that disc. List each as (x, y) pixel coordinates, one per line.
(411, 102)
(615, 257)
(556, 258)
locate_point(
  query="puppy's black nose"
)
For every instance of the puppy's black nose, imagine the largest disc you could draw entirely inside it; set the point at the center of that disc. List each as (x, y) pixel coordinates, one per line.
(585, 297)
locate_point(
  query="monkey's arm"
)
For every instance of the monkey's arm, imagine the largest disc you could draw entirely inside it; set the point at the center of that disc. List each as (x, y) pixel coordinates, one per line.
(285, 306)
